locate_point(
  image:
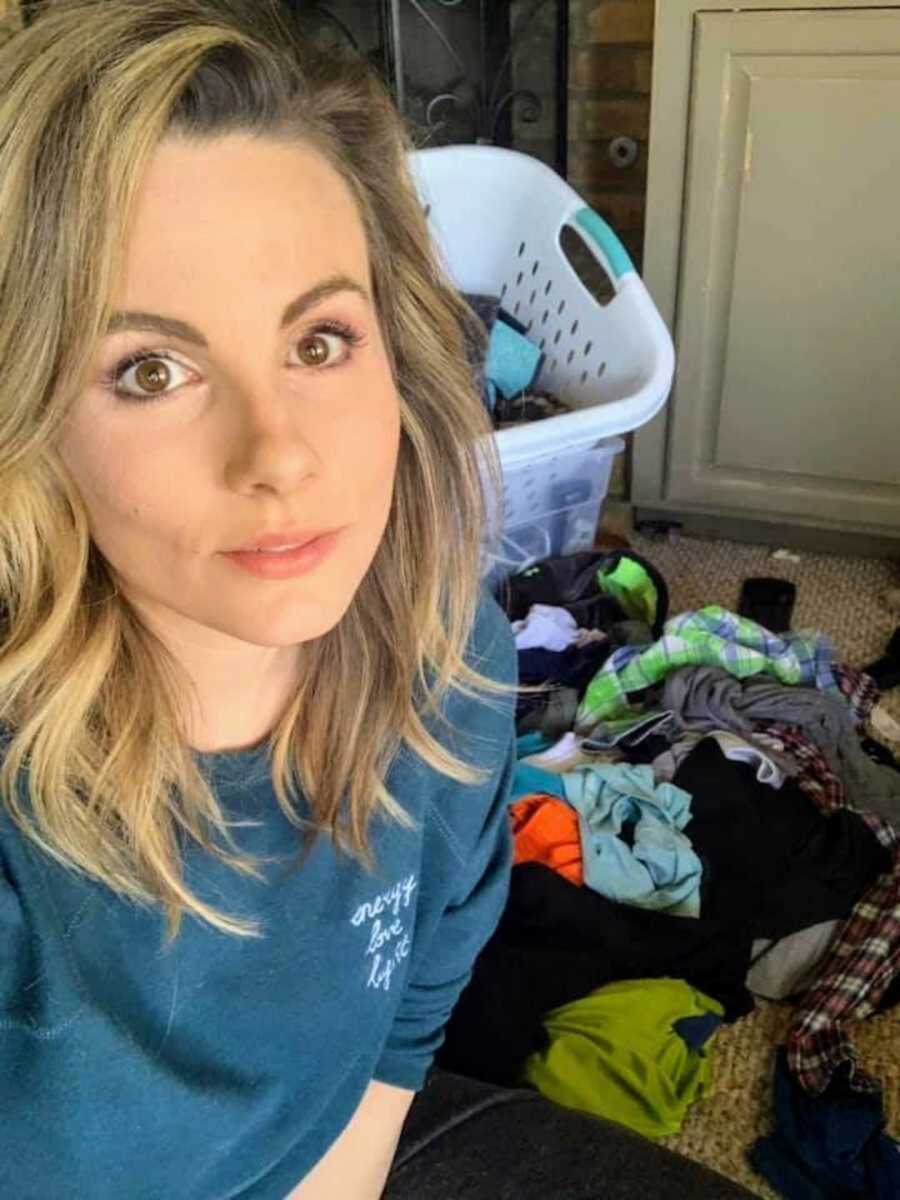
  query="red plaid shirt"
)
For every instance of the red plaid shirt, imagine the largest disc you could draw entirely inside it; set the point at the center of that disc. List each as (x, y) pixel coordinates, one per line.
(866, 957)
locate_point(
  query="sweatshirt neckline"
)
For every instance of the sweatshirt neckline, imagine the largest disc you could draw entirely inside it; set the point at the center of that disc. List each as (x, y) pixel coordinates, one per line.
(234, 767)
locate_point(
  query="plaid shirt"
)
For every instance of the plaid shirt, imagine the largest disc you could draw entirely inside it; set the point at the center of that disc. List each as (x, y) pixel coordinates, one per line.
(711, 637)
(866, 957)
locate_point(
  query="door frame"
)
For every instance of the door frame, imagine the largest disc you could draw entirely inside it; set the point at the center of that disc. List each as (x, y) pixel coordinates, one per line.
(670, 95)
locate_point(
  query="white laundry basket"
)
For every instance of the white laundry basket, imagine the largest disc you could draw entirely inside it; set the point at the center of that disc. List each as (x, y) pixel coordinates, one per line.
(496, 216)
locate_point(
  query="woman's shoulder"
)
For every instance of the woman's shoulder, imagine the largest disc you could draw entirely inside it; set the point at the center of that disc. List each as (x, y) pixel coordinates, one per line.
(492, 644)
(484, 721)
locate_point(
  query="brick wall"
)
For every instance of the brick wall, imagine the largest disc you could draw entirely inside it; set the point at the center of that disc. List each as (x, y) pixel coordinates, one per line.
(610, 57)
(609, 97)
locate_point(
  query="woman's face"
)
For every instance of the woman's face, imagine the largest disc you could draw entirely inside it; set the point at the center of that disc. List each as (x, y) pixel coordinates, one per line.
(250, 423)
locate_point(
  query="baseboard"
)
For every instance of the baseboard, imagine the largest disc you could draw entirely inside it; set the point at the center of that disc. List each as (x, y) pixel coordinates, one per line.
(793, 537)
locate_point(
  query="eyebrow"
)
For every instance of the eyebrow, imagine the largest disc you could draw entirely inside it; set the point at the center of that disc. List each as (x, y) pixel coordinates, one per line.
(146, 322)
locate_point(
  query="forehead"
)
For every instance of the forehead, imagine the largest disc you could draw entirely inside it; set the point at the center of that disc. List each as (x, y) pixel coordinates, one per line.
(242, 208)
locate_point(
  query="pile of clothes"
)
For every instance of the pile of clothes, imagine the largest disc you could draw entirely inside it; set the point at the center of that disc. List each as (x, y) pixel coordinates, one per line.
(507, 371)
(703, 813)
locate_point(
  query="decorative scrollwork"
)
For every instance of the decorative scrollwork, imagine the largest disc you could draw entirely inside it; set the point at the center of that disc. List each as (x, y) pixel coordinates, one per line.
(465, 98)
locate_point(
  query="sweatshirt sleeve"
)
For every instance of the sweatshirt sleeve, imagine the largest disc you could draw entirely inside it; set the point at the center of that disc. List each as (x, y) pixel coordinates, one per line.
(475, 836)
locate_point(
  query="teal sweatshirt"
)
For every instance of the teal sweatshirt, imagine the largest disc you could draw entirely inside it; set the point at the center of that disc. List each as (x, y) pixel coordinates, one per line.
(225, 1067)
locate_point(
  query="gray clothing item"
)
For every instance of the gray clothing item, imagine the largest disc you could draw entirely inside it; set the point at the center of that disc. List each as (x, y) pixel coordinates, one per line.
(468, 1140)
(707, 698)
(629, 731)
(790, 965)
(770, 768)
(556, 718)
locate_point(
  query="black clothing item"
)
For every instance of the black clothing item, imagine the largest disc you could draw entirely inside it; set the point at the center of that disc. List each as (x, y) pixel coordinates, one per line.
(532, 405)
(574, 667)
(557, 942)
(567, 581)
(770, 856)
(648, 750)
(878, 753)
(891, 996)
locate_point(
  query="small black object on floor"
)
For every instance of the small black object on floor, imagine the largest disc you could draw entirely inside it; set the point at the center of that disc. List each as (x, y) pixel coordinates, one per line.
(886, 670)
(769, 602)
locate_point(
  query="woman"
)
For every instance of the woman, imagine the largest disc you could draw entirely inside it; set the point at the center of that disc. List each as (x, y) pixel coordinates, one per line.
(224, 329)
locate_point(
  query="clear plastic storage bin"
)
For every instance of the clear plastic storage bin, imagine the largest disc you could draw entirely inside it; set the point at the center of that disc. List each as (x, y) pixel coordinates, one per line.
(551, 505)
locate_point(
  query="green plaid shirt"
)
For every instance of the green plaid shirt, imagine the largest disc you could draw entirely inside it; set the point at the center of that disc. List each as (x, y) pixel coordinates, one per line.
(712, 637)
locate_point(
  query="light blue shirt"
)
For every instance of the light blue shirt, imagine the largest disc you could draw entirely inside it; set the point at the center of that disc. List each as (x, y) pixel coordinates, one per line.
(660, 869)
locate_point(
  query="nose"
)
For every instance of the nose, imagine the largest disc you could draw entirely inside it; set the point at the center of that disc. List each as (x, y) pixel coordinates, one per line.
(268, 443)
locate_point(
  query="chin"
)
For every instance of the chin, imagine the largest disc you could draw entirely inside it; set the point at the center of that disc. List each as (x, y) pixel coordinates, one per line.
(309, 616)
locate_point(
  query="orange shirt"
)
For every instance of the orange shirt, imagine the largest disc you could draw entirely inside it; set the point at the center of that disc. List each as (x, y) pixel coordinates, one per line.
(546, 831)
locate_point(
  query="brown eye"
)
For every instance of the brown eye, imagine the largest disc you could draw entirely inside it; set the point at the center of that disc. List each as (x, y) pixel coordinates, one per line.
(317, 350)
(152, 375)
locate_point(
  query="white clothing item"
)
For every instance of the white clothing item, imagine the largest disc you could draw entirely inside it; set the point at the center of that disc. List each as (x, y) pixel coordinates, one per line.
(738, 749)
(546, 627)
(567, 754)
(566, 745)
(732, 746)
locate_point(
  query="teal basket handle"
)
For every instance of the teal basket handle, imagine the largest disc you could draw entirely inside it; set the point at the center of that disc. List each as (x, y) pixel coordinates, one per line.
(615, 256)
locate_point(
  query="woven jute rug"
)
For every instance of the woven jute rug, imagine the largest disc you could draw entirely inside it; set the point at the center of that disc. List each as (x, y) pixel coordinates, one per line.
(844, 598)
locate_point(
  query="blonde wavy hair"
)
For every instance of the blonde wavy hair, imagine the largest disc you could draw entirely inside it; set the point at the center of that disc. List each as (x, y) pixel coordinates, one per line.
(89, 696)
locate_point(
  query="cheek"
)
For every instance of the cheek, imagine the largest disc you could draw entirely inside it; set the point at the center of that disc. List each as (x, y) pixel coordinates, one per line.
(125, 492)
(366, 461)
(103, 480)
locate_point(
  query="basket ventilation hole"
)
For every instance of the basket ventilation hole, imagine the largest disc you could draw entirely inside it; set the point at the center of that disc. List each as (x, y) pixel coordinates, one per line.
(534, 267)
(587, 348)
(503, 291)
(574, 326)
(557, 336)
(533, 294)
(521, 248)
(583, 376)
(570, 356)
(553, 365)
(544, 318)
(427, 210)
(543, 340)
(562, 305)
(518, 279)
(601, 369)
(516, 307)
(548, 286)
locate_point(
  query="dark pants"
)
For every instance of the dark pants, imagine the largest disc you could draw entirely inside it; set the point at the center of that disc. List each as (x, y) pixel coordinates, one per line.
(465, 1140)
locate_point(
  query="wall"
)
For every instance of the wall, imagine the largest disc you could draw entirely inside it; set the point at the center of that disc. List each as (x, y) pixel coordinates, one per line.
(609, 96)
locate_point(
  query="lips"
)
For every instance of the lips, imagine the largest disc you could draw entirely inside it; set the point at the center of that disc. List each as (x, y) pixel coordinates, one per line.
(286, 564)
(291, 539)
